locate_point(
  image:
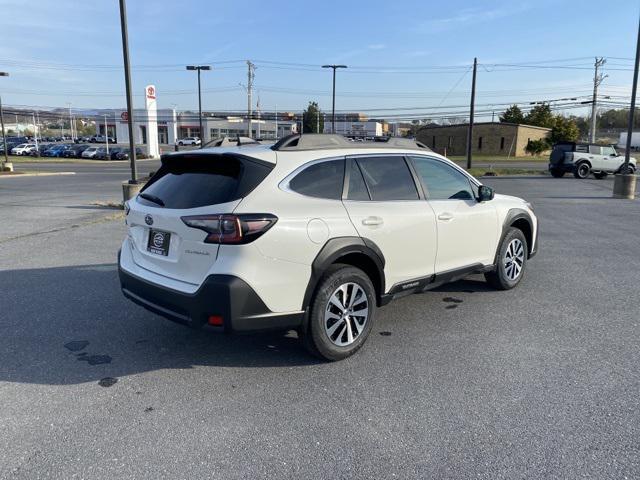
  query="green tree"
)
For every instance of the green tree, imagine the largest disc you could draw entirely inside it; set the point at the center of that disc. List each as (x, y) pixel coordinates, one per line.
(312, 119)
(540, 116)
(513, 114)
(536, 147)
(563, 130)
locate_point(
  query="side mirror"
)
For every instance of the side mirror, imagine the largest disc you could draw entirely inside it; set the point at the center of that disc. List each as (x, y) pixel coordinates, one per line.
(485, 193)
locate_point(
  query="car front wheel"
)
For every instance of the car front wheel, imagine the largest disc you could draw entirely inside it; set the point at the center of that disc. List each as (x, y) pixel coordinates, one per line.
(511, 261)
(341, 315)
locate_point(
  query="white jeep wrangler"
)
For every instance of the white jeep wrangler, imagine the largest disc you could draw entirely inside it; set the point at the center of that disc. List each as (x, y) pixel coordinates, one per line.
(581, 159)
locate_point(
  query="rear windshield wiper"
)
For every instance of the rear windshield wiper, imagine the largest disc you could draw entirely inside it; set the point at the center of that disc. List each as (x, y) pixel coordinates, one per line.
(152, 198)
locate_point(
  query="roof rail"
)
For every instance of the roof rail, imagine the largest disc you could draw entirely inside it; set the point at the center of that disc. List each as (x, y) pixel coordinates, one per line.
(318, 141)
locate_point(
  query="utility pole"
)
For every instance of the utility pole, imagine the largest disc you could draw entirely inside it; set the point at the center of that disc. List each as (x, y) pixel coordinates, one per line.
(259, 133)
(4, 136)
(250, 76)
(333, 102)
(127, 82)
(276, 122)
(318, 120)
(597, 80)
(471, 112)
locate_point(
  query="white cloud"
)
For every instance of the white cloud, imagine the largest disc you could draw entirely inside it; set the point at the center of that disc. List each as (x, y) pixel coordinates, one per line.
(468, 16)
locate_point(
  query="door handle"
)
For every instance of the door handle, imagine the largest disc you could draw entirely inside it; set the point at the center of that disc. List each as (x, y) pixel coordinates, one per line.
(372, 221)
(445, 216)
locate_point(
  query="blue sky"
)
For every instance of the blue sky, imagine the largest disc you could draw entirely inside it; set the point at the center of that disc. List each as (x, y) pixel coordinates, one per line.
(69, 51)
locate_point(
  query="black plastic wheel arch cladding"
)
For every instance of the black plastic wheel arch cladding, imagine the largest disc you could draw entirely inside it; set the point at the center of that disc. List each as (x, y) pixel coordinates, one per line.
(340, 247)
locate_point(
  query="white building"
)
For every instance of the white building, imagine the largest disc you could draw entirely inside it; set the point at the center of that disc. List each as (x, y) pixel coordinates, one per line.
(354, 129)
(189, 126)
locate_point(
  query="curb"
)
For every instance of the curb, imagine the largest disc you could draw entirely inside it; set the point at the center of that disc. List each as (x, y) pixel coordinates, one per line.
(36, 174)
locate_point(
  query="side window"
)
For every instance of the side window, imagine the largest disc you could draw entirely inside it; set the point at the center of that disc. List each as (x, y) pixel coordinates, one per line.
(608, 151)
(357, 187)
(595, 149)
(322, 180)
(582, 148)
(442, 181)
(388, 178)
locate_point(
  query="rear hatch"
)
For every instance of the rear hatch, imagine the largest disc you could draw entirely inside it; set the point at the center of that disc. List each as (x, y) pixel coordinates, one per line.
(186, 185)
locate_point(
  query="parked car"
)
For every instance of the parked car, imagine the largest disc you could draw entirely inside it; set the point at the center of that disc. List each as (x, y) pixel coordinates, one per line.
(188, 141)
(581, 159)
(101, 139)
(89, 152)
(113, 152)
(123, 154)
(24, 149)
(55, 150)
(75, 151)
(314, 233)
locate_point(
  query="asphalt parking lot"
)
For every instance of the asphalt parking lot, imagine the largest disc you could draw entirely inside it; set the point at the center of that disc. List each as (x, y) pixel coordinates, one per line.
(461, 382)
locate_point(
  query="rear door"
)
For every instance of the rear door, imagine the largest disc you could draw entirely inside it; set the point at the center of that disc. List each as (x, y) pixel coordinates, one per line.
(385, 206)
(187, 185)
(596, 158)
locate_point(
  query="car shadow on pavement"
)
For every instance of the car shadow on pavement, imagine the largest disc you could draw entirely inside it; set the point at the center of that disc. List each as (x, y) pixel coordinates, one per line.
(69, 325)
(475, 283)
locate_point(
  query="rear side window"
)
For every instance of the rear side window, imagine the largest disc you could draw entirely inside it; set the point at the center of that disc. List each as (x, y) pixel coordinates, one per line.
(192, 181)
(388, 178)
(595, 149)
(320, 180)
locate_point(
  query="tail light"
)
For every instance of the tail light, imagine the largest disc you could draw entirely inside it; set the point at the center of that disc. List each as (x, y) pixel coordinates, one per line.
(231, 229)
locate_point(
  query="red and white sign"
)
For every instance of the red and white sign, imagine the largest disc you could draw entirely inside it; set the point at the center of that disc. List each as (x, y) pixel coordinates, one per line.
(151, 92)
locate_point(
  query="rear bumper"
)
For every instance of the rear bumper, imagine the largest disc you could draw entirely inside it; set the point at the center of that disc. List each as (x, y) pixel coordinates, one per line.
(562, 167)
(227, 296)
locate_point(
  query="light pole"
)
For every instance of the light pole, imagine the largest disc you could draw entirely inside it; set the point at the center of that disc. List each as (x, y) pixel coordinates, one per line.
(624, 185)
(333, 108)
(4, 137)
(127, 82)
(198, 68)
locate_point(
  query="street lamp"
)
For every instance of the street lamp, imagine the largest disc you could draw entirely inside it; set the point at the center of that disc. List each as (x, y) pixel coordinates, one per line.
(333, 109)
(4, 137)
(198, 68)
(127, 83)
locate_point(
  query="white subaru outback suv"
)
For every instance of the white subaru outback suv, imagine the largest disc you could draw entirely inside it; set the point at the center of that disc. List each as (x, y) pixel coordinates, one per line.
(313, 233)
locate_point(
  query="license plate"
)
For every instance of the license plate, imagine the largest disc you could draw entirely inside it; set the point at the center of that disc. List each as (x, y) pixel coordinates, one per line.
(159, 242)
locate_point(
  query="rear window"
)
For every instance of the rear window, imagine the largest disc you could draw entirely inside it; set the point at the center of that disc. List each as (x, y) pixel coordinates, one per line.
(192, 181)
(321, 180)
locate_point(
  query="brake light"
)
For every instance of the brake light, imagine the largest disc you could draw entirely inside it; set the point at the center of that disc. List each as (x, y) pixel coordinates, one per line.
(231, 229)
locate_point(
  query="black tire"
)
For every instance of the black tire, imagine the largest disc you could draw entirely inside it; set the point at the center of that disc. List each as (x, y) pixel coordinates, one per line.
(502, 277)
(582, 170)
(600, 175)
(315, 336)
(180, 144)
(555, 173)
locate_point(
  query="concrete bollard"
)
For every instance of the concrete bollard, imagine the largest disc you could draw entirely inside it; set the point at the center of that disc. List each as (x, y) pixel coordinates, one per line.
(624, 186)
(130, 190)
(8, 167)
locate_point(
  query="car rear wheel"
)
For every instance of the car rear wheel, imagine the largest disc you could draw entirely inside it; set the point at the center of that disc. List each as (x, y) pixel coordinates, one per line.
(341, 315)
(582, 170)
(511, 261)
(555, 173)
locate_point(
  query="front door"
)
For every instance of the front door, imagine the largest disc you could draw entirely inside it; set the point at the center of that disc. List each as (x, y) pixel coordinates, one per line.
(385, 206)
(467, 229)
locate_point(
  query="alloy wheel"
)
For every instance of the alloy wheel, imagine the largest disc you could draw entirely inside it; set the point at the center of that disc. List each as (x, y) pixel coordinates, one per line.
(514, 259)
(346, 314)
